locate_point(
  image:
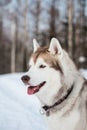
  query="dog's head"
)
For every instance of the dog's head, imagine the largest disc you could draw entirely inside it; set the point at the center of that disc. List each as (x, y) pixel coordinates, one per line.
(44, 75)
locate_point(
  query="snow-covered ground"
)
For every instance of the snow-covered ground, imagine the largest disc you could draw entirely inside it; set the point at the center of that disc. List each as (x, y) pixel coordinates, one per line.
(19, 111)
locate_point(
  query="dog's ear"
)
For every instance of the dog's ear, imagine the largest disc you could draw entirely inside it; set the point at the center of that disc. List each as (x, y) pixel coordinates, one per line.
(55, 47)
(35, 45)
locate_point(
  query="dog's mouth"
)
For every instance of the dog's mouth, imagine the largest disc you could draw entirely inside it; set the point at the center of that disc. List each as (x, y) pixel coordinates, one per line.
(34, 89)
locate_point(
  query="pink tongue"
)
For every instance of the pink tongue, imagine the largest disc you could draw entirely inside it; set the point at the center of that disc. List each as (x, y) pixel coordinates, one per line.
(32, 90)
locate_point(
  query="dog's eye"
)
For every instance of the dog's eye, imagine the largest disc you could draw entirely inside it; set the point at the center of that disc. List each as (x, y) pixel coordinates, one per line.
(42, 66)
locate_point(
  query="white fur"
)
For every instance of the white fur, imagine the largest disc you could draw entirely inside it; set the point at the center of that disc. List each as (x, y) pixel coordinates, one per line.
(54, 81)
(55, 46)
(69, 122)
(47, 74)
(35, 45)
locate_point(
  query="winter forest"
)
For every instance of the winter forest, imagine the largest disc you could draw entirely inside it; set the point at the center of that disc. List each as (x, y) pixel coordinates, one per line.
(23, 20)
(20, 22)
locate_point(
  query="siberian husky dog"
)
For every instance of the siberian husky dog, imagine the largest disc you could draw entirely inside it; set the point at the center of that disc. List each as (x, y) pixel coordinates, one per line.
(61, 89)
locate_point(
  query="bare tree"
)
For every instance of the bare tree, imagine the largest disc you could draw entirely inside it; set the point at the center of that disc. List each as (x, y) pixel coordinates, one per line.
(38, 11)
(25, 15)
(82, 21)
(35, 12)
(54, 14)
(13, 47)
(22, 36)
(1, 27)
(70, 27)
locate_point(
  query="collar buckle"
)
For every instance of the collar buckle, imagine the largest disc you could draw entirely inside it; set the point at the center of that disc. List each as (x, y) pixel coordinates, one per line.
(44, 111)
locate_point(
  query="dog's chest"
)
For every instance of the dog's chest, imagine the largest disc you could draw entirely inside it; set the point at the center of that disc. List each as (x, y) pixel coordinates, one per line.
(67, 122)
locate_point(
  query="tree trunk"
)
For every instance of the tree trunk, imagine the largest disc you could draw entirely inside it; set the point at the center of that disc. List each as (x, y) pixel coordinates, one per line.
(13, 48)
(70, 27)
(25, 36)
(52, 22)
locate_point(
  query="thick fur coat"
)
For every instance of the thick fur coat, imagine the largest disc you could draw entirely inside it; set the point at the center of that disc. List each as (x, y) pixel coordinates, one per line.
(61, 89)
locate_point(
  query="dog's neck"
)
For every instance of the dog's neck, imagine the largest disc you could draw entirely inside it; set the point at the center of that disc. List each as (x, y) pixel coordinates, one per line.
(46, 108)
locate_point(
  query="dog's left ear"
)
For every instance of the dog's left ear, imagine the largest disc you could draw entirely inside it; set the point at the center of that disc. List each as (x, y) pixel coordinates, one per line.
(55, 47)
(35, 45)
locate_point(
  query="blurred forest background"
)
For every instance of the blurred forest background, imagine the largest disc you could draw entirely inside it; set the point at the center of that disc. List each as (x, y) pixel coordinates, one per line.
(23, 20)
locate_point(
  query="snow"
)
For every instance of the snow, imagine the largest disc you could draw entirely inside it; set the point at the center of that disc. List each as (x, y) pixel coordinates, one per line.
(84, 72)
(19, 111)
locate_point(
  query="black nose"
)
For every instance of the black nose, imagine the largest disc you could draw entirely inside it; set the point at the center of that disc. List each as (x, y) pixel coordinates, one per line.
(25, 78)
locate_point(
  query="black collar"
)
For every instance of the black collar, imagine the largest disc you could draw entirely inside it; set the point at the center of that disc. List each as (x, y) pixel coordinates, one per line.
(46, 108)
